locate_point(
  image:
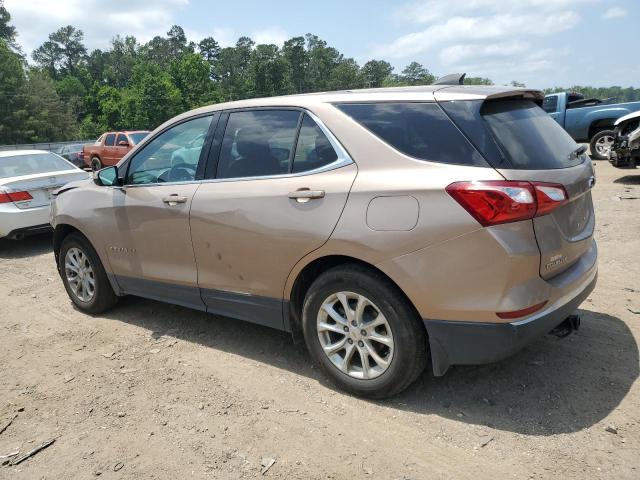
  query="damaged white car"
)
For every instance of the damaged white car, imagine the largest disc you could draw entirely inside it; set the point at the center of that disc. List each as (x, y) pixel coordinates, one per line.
(625, 150)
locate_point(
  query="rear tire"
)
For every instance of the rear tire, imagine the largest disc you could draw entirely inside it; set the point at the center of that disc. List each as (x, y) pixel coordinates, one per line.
(601, 143)
(84, 276)
(400, 359)
(96, 164)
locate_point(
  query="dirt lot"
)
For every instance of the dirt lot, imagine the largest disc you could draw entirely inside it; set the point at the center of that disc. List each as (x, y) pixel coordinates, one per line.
(157, 391)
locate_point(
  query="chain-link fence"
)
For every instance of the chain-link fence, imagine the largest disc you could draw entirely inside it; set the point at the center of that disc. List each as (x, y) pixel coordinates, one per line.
(51, 146)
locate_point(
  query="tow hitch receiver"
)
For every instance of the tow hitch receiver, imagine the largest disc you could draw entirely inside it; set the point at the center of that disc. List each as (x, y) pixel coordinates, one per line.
(569, 324)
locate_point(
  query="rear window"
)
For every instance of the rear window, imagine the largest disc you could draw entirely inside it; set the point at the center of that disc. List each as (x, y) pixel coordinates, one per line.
(420, 130)
(18, 165)
(528, 137)
(514, 134)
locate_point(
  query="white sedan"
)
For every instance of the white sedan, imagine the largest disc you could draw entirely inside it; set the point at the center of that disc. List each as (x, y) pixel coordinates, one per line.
(27, 178)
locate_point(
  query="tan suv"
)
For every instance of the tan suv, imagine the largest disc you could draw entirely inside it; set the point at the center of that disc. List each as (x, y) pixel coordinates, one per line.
(389, 226)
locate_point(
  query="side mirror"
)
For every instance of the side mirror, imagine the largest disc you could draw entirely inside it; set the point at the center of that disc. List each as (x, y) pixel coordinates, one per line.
(123, 143)
(107, 177)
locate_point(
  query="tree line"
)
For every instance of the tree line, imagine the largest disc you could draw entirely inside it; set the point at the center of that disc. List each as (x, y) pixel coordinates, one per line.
(67, 92)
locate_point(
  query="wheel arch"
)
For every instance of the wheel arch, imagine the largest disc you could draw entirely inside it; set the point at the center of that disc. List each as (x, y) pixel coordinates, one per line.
(599, 125)
(312, 270)
(63, 230)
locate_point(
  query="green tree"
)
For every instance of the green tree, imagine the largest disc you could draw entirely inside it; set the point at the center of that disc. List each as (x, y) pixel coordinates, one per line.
(322, 60)
(416, 74)
(62, 53)
(477, 81)
(209, 49)
(191, 75)
(268, 75)
(297, 60)
(346, 75)
(8, 32)
(12, 96)
(48, 118)
(375, 72)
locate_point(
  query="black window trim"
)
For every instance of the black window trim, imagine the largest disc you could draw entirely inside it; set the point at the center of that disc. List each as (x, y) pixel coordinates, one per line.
(344, 158)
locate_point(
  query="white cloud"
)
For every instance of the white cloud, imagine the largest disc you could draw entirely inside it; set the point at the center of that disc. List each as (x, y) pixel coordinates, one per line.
(428, 11)
(275, 35)
(100, 21)
(614, 12)
(478, 29)
(487, 37)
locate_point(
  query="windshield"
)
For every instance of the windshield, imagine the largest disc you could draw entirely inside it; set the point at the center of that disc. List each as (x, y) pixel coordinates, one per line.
(136, 138)
(18, 165)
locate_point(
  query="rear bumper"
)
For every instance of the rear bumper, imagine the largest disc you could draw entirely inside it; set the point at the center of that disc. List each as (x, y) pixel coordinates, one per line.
(13, 219)
(474, 343)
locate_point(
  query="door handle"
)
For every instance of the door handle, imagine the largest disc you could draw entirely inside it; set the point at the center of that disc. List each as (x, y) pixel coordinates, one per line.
(304, 195)
(173, 200)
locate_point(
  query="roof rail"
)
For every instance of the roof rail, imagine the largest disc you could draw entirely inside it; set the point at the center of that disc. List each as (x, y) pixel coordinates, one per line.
(451, 79)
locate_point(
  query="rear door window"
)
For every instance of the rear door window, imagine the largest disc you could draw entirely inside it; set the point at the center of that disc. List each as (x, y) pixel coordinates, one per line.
(258, 143)
(420, 130)
(313, 149)
(110, 140)
(122, 138)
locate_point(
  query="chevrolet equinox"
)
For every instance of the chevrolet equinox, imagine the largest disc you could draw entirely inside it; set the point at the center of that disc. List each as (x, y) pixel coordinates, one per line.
(388, 227)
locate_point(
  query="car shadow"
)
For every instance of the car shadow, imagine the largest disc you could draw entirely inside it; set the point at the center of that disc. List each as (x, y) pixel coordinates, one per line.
(628, 180)
(27, 247)
(554, 386)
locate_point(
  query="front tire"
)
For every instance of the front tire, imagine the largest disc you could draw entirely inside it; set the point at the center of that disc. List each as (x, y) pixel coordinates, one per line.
(96, 164)
(601, 144)
(363, 332)
(84, 276)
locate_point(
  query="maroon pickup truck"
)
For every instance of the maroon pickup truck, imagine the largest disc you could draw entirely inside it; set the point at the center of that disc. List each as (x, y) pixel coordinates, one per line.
(110, 148)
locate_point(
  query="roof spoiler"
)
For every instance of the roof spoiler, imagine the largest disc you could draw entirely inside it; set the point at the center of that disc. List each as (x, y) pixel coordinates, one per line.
(451, 79)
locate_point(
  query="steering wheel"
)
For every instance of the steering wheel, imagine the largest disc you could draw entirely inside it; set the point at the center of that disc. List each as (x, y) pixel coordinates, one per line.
(181, 172)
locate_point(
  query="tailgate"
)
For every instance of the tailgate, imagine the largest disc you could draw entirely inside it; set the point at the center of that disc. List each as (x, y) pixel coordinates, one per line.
(523, 143)
(566, 233)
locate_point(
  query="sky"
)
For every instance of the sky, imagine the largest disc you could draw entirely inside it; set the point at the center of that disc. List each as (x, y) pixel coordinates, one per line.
(542, 43)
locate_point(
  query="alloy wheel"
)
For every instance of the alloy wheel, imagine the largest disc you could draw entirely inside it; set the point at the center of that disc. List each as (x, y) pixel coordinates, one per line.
(80, 275)
(355, 335)
(603, 145)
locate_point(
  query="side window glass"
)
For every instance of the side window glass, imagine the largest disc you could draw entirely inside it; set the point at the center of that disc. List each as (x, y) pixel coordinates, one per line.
(550, 104)
(258, 143)
(110, 140)
(172, 156)
(313, 149)
(121, 138)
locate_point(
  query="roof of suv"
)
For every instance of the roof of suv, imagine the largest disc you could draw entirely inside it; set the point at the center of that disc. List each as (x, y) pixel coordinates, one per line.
(425, 93)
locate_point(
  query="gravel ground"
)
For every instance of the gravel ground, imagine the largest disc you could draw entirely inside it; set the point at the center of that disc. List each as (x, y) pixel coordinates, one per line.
(157, 391)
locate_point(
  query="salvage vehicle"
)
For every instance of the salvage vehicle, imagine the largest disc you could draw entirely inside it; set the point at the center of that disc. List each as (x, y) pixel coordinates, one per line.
(588, 120)
(110, 148)
(73, 153)
(27, 178)
(625, 150)
(385, 227)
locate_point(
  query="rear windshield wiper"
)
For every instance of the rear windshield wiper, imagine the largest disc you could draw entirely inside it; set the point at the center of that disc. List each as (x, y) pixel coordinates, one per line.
(578, 151)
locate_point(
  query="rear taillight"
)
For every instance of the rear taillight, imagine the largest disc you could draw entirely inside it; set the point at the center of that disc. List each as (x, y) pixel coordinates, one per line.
(521, 313)
(549, 196)
(503, 201)
(7, 197)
